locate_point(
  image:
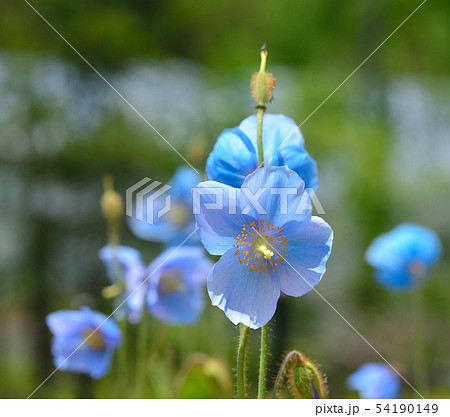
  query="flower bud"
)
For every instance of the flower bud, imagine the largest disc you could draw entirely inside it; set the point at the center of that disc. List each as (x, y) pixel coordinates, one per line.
(306, 381)
(304, 377)
(262, 82)
(269, 85)
(111, 202)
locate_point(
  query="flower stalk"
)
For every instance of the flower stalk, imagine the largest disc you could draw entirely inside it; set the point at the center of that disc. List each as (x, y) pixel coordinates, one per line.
(241, 361)
(263, 361)
(263, 88)
(419, 365)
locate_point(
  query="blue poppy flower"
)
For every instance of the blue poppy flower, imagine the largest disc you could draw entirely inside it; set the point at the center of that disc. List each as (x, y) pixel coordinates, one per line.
(235, 154)
(178, 222)
(71, 328)
(125, 268)
(375, 381)
(404, 257)
(177, 282)
(267, 246)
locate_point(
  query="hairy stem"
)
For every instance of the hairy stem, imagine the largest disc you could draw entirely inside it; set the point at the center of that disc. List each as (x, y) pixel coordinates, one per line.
(241, 361)
(263, 362)
(292, 356)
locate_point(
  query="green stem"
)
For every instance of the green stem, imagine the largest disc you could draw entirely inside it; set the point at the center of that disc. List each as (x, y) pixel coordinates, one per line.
(419, 365)
(241, 354)
(260, 106)
(263, 362)
(260, 109)
(143, 356)
(122, 358)
(259, 137)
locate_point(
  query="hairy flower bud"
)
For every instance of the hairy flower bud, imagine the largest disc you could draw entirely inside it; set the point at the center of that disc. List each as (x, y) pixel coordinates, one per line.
(262, 83)
(304, 377)
(269, 85)
(306, 381)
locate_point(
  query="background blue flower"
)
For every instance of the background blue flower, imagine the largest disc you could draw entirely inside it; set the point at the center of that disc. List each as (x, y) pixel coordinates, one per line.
(178, 223)
(177, 285)
(125, 267)
(235, 153)
(375, 381)
(260, 251)
(70, 328)
(404, 256)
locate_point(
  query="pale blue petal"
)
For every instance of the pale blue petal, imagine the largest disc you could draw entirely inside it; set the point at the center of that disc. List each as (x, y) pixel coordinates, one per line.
(245, 297)
(183, 305)
(232, 159)
(309, 247)
(282, 196)
(218, 227)
(235, 154)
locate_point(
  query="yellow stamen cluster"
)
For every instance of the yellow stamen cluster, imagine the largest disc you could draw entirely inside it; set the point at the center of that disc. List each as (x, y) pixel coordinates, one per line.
(171, 281)
(260, 246)
(96, 341)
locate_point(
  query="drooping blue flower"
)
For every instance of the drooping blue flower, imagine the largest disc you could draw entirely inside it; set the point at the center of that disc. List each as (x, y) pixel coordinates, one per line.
(235, 154)
(267, 246)
(173, 227)
(125, 267)
(375, 381)
(405, 256)
(177, 284)
(71, 328)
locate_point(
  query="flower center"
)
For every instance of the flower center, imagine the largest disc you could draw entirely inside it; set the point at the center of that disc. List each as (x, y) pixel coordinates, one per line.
(171, 281)
(96, 341)
(260, 246)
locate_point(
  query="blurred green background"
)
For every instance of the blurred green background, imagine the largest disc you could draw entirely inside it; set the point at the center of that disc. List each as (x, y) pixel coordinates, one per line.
(381, 143)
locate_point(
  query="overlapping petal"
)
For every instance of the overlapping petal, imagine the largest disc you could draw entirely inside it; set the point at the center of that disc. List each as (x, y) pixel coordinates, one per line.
(177, 282)
(70, 329)
(245, 297)
(307, 255)
(235, 154)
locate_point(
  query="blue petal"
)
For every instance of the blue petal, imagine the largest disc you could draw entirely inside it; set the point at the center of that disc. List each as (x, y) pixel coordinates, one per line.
(182, 182)
(65, 322)
(393, 253)
(218, 227)
(69, 354)
(277, 129)
(283, 196)
(163, 229)
(375, 381)
(395, 280)
(181, 306)
(84, 360)
(245, 297)
(309, 247)
(129, 267)
(232, 159)
(235, 154)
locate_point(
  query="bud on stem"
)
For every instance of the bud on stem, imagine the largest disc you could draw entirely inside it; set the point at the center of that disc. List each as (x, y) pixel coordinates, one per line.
(262, 85)
(304, 377)
(112, 209)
